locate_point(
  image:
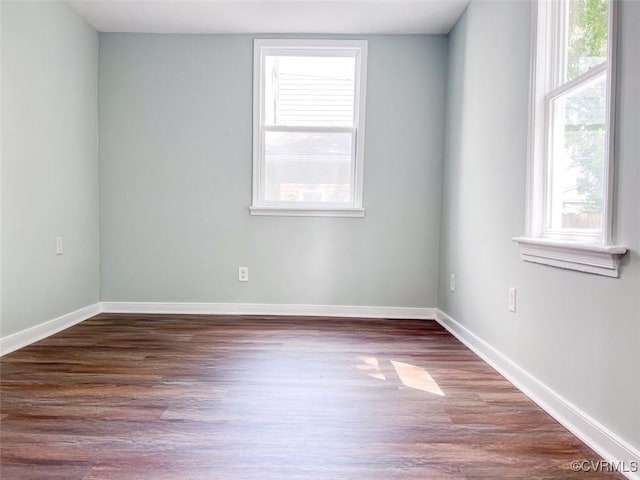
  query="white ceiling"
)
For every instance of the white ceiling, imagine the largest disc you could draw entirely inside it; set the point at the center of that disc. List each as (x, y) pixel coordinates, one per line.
(271, 16)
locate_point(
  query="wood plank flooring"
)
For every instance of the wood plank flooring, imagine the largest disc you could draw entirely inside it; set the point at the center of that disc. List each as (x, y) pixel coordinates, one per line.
(231, 398)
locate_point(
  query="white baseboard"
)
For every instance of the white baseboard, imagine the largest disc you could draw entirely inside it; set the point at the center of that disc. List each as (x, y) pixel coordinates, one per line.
(270, 309)
(28, 336)
(605, 443)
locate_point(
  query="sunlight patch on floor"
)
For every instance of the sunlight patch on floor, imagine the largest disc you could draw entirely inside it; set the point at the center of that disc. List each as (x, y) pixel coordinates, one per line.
(416, 377)
(371, 367)
(410, 375)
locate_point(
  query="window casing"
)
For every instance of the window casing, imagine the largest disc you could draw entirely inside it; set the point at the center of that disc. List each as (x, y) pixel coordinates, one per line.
(308, 132)
(570, 174)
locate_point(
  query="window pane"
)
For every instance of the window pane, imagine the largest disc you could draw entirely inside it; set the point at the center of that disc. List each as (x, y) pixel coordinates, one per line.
(305, 91)
(577, 158)
(314, 167)
(587, 35)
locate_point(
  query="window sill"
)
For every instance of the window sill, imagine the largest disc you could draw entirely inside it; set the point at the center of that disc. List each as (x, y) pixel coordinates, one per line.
(307, 212)
(598, 259)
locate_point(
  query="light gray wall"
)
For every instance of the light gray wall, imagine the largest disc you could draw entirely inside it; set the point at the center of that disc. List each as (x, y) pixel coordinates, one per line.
(49, 163)
(175, 180)
(577, 333)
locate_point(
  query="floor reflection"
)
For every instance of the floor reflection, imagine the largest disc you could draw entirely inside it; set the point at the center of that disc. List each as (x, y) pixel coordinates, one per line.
(371, 367)
(410, 375)
(416, 377)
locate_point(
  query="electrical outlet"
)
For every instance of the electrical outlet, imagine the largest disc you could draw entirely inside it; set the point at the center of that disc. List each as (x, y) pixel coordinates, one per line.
(243, 274)
(512, 299)
(59, 245)
(452, 282)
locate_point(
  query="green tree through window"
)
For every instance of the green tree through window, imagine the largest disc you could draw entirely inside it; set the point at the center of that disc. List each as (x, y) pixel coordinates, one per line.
(587, 47)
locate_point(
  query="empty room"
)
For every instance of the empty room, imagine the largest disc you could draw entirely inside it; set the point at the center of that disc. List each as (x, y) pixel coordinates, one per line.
(320, 239)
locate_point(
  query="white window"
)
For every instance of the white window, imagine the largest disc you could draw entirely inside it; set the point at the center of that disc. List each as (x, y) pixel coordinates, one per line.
(571, 139)
(308, 127)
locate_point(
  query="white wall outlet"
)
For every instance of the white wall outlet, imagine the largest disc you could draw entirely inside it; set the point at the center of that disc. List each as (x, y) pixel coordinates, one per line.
(452, 282)
(512, 299)
(59, 245)
(243, 274)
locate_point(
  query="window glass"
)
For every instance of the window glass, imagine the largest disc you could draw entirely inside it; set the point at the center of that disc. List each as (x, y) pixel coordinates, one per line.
(308, 167)
(577, 158)
(587, 35)
(309, 91)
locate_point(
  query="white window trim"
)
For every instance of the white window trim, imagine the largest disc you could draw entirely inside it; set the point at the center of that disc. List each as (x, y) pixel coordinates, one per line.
(336, 47)
(584, 257)
(583, 252)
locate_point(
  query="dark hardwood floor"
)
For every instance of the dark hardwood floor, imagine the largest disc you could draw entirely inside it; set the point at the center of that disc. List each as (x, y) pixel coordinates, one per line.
(233, 398)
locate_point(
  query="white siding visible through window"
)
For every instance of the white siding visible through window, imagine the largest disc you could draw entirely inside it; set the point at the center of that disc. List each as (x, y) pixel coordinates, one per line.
(318, 94)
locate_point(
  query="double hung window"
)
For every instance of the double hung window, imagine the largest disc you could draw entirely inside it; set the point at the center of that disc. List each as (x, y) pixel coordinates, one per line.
(308, 127)
(570, 189)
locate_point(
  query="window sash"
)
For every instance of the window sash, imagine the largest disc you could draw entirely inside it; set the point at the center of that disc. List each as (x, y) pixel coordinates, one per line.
(577, 83)
(563, 91)
(306, 204)
(304, 128)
